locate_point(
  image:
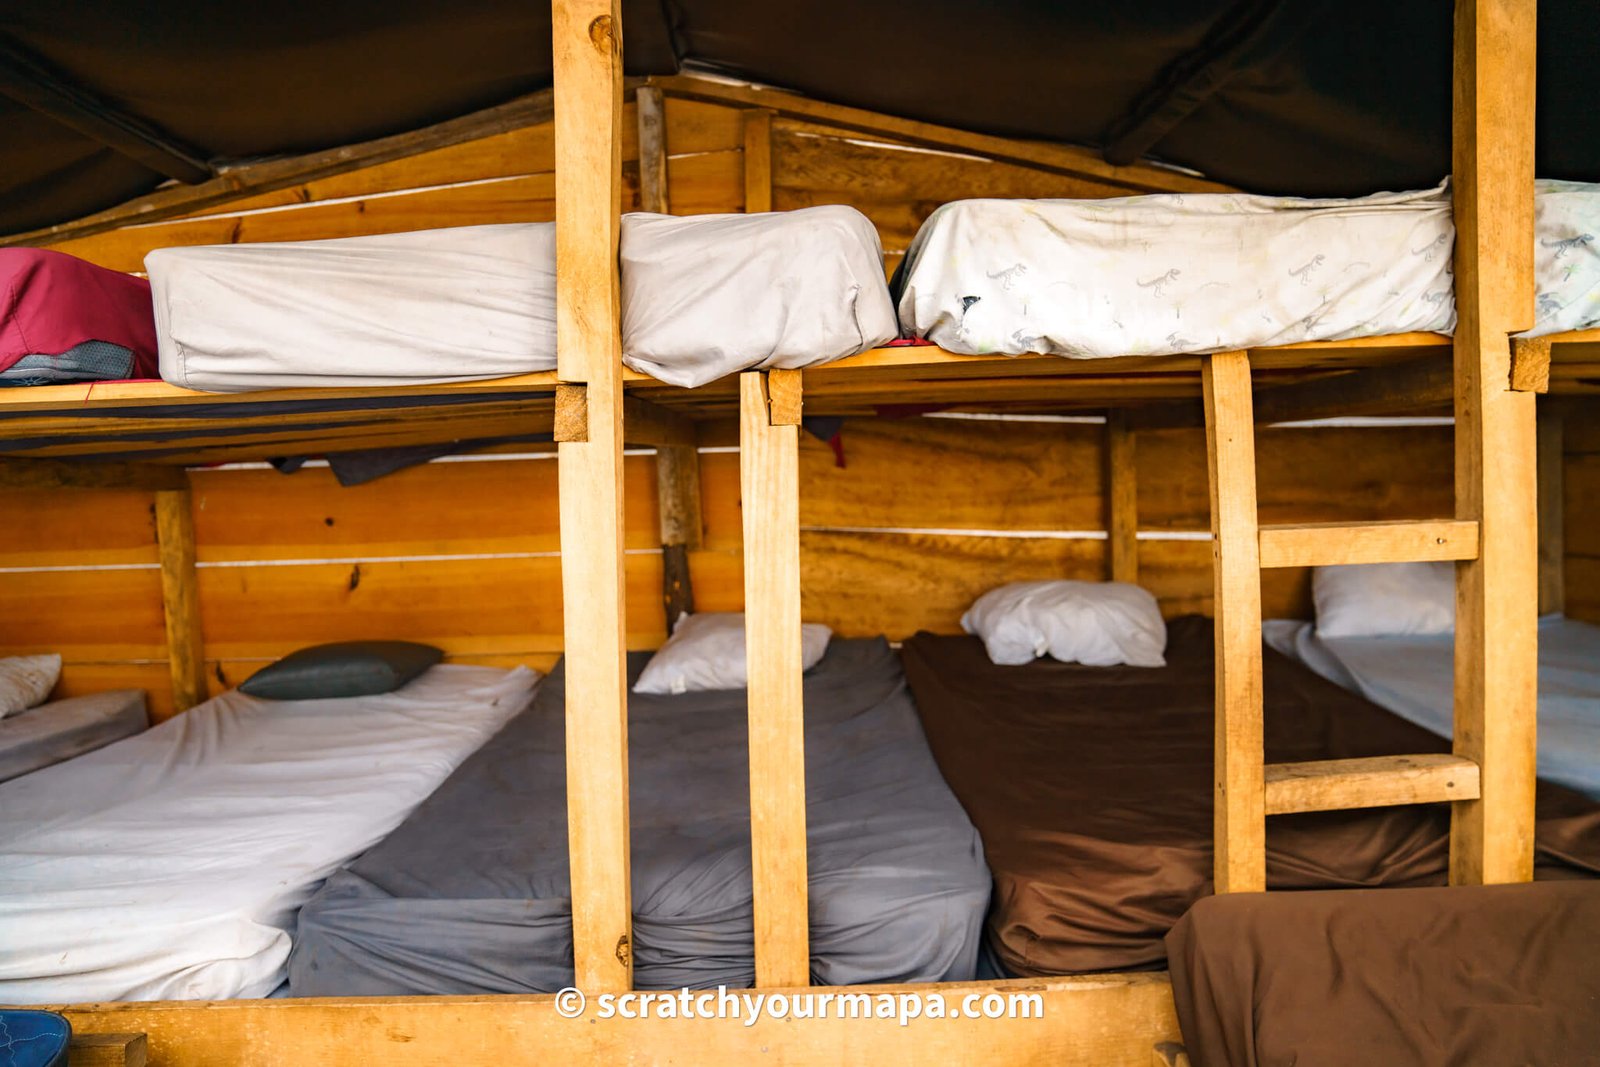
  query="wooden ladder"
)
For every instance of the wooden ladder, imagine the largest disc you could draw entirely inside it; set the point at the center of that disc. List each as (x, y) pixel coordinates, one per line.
(1247, 789)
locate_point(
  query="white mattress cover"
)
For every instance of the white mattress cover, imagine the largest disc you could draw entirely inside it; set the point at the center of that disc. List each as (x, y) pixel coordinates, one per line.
(1173, 273)
(62, 729)
(1413, 676)
(392, 309)
(171, 865)
(707, 295)
(1566, 257)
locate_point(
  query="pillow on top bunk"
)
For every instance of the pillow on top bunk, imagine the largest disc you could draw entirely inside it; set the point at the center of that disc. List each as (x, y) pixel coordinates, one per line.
(709, 295)
(342, 669)
(1369, 599)
(707, 652)
(26, 681)
(1098, 624)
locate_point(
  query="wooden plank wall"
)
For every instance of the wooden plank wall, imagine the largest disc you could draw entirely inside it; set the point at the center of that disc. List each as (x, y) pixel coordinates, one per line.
(927, 514)
(1582, 513)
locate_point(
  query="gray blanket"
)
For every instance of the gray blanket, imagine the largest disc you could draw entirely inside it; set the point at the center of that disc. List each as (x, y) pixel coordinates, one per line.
(470, 895)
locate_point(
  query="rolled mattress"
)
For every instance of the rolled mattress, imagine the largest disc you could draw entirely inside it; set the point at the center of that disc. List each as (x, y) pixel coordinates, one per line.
(395, 309)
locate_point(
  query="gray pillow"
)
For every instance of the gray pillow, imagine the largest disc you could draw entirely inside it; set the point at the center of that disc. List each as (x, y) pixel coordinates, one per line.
(342, 669)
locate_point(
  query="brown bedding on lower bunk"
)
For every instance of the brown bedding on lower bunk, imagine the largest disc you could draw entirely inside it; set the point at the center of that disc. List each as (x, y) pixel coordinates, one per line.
(1091, 789)
(1481, 974)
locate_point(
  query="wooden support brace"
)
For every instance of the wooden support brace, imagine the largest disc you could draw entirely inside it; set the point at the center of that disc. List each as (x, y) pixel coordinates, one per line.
(18, 473)
(784, 397)
(587, 38)
(1334, 543)
(1122, 495)
(1375, 782)
(769, 481)
(757, 161)
(180, 597)
(108, 1050)
(1530, 364)
(1239, 812)
(682, 524)
(653, 195)
(1496, 653)
(1552, 515)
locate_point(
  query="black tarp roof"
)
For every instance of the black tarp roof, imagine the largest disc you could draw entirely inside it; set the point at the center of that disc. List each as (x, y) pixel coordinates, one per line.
(1307, 97)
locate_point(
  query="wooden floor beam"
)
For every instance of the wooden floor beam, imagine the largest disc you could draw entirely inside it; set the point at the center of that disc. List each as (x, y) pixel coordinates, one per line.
(588, 127)
(769, 481)
(1496, 653)
(1239, 812)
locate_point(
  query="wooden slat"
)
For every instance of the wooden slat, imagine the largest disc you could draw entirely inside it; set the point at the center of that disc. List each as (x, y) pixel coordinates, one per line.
(652, 151)
(1240, 826)
(682, 525)
(1496, 648)
(108, 1050)
(757, 161)
(16, 473)
(769, 467)
(1122, 499)
(587, 38)
(180, 597)
(1552, 516)
(1090, 1021)
(1334, 543)
(1374, 782)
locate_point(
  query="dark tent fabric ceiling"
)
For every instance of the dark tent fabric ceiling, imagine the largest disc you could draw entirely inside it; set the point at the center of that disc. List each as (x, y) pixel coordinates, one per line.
(1305, 97)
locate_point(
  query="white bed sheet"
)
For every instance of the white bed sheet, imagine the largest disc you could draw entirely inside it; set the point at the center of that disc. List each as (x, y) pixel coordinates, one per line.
(171, 865)
(1413, 676)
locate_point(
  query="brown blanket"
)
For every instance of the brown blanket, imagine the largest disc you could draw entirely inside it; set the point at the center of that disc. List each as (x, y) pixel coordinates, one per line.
(1091, 789)
(1486, 974)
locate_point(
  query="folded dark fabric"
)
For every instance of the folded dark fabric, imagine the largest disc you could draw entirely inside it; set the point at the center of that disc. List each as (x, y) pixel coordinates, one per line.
(1459, 975)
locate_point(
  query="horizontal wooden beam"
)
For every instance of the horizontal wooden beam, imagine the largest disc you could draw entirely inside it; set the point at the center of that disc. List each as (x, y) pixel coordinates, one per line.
(34, 83)
(1059, 158)
(784, 397)
(645, 423)
(1401, 388)
(1374, 782)
(16, 473)
(1327, 544)
(108, 1050)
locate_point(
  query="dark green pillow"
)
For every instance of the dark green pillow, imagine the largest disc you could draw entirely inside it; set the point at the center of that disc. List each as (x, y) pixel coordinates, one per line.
(342, 669)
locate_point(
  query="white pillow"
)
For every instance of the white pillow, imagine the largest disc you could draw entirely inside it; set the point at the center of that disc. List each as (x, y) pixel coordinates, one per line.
(1367, 599)
(707, 652)
(1100, 624)
(26, 681)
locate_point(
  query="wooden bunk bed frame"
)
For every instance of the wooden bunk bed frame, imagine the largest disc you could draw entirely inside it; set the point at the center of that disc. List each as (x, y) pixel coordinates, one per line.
(591, 405)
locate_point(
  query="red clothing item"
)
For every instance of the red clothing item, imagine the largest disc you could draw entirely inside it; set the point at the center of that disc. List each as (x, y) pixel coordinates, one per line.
(51, 302)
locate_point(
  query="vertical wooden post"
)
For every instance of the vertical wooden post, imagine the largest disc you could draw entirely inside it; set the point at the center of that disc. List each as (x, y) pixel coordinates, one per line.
(1240, 790)
(1496, 653)
(588, 122)
(678, 499)
(180, 597)
(757, 161)
(1122, 495)
(1552, 515)
(653, 195)
(769, 482)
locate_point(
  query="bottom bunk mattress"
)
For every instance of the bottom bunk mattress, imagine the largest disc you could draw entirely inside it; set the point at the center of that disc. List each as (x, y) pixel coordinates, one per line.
(169, 866)
(1092, 789)
(1413, 675)
(471, 895)
(62, 729)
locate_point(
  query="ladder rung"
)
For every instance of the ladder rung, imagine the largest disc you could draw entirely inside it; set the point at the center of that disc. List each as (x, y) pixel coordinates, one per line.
(1374, 782)
(1327, 543)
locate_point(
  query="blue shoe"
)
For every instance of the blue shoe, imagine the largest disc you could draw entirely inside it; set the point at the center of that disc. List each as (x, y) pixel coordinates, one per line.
(33, 1039)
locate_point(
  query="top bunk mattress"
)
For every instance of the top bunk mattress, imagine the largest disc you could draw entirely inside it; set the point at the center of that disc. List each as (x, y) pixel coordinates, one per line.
(170, 865)
(1183, 273)
(1092, 789)
(702, 297)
